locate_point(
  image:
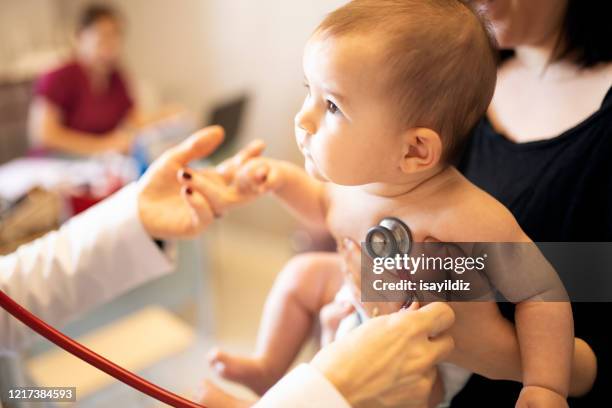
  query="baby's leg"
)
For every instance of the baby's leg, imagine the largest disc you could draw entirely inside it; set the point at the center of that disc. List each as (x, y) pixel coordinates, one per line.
(303, 287)
(487, 343)
(214, 397)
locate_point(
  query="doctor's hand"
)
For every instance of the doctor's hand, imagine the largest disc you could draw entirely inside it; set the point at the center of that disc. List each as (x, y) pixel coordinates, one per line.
(221, 185)
(391, 358)
(167, 209)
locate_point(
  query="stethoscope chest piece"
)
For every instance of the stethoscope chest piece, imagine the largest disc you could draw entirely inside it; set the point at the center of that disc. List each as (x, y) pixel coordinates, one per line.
(390, 237)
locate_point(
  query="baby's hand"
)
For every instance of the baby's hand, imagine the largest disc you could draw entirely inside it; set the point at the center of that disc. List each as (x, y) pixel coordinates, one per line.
(539, 397)
(217, 186)
(330, 317)
(259, 175)
(229, 167)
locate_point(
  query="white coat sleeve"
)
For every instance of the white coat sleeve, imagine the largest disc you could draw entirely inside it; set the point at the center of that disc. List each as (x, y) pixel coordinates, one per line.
(91, 259)
(303, 387)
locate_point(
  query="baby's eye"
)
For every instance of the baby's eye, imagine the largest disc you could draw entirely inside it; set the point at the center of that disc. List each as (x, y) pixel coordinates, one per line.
(331, 107)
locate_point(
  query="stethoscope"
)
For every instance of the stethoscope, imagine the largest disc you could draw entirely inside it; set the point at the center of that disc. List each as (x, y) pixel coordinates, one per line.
(391, 236)
(78, 350)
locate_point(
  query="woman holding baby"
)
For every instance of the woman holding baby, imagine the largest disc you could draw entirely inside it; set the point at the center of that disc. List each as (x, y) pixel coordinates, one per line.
(544, 150)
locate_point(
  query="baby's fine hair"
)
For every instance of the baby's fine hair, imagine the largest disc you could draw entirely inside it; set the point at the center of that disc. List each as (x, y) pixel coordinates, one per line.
(439, 57)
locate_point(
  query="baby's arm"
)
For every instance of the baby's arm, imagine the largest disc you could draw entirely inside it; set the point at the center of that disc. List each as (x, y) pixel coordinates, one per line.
(246, 175)
(544, 322)
(546, 337)
(543, 316)
(302, 194)
(517, 269)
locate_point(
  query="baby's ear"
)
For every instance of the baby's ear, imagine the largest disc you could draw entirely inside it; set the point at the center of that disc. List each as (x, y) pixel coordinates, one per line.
(421, 150)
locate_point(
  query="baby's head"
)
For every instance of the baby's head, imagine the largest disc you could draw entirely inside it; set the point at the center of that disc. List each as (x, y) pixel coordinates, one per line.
(394, 88)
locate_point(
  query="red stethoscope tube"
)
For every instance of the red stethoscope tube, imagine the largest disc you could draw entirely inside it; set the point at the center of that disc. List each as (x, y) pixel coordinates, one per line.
(91, 357)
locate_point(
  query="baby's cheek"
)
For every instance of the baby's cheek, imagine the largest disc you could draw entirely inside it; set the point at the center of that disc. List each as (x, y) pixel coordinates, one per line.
(335, 158)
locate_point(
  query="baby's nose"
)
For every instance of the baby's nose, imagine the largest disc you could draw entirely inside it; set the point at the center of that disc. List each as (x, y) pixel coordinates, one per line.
(304, 123)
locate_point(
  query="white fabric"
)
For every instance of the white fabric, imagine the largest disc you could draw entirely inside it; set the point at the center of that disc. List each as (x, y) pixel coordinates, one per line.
(303, 387)
(454, 379)
(91, 259)
(99, 255)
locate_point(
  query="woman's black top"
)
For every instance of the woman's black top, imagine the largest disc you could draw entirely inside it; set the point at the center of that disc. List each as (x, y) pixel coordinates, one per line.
(559, 190)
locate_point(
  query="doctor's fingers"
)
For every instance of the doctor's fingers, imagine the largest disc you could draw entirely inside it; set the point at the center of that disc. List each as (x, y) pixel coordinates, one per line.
(441, 347)
(201, 212)
(435, 318)
(219, 196)
(199, 145)
(230, 166)
(412, 392)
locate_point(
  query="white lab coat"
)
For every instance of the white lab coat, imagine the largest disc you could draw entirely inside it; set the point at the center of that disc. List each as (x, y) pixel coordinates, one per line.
(97, 256)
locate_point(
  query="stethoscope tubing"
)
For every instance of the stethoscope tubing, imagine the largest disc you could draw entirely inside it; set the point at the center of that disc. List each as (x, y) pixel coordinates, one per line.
(127, 377)
(78, 350)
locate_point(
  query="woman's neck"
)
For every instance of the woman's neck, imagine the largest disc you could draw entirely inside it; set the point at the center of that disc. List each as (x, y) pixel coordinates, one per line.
(542, 58)
(98, 74)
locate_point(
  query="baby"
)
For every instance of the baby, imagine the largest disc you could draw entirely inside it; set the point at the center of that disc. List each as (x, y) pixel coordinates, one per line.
(394, 89)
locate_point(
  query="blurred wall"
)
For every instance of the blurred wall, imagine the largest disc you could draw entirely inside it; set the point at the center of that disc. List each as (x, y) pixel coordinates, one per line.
(205, 51)
(30, 30)
(257, 45)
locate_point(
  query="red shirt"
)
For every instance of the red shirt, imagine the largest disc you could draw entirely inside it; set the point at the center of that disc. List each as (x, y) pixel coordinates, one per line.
(68, 88)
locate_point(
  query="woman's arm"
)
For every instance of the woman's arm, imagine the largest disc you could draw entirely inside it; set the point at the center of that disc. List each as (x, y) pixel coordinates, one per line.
(96, 256)
(137, 119)
(46, 128)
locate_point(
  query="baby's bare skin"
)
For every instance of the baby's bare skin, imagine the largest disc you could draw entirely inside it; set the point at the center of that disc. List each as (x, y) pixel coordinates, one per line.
(447, 216)
(455, 211)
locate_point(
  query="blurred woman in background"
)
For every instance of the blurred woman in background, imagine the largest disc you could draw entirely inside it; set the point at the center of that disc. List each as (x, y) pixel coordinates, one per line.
(85, 106)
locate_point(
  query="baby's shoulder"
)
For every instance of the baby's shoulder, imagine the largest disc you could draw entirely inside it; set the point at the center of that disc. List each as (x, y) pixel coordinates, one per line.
(473, 215)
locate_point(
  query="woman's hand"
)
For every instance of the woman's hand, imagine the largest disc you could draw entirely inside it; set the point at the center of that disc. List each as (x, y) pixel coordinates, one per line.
(390, 358)
(166, 209)
(119, 140)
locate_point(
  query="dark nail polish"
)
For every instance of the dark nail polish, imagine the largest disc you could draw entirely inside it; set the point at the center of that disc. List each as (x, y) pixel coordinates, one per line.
(189, 191)
(186, 175)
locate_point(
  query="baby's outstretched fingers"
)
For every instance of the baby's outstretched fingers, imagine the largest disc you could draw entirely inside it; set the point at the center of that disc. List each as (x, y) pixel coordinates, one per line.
(254, 176)
(229, 167)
